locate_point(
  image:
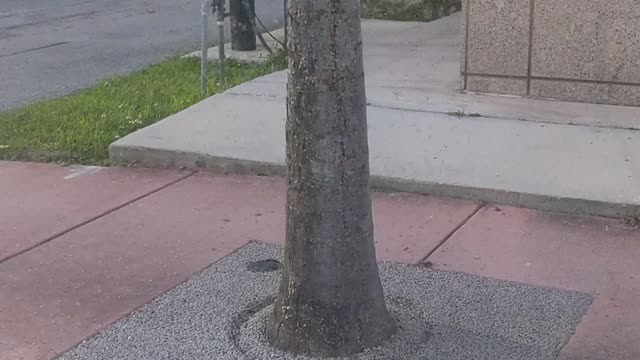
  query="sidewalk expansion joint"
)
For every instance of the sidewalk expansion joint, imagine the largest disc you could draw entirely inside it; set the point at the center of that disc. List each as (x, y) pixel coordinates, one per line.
(94, 218)
(452, 232)
(488, 116)
(269, 96)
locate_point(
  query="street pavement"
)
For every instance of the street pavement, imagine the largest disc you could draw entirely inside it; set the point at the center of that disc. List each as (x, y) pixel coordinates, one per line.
(82, 247)
(52, 48)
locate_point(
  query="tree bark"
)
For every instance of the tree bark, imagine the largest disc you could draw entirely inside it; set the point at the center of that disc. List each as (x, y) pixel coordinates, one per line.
(330, 301)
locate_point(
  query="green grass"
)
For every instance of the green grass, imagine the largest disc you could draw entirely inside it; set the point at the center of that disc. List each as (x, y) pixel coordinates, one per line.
(79, 127)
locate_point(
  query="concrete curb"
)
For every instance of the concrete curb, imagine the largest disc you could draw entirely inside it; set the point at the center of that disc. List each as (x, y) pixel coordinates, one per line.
(162, 158)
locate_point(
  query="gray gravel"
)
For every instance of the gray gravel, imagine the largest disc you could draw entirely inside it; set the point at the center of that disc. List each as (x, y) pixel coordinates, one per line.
(220, 314)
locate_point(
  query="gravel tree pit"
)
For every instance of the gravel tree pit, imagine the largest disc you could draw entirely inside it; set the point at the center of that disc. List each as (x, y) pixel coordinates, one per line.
(221, 312)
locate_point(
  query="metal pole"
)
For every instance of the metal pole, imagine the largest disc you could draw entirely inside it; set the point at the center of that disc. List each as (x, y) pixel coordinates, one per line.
(204, 47)
(243, 37)
(286, 23)
(221, 56)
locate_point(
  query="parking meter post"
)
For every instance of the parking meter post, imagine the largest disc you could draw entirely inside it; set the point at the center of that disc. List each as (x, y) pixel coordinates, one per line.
(243, 38)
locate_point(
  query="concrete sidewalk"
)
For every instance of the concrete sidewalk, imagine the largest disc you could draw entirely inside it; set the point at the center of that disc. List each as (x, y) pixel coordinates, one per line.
(424, 136)
(126, 236)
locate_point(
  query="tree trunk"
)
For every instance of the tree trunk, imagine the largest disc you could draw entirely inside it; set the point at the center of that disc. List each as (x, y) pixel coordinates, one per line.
(330, 301)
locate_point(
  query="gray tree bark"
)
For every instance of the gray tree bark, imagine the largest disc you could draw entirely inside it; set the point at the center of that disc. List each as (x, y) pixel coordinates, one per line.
(330, 301)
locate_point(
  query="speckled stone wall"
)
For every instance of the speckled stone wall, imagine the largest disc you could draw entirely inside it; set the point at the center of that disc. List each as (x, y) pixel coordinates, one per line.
(573, 50)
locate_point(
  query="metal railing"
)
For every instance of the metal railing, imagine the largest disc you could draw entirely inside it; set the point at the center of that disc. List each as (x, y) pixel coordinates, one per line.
(216, 7)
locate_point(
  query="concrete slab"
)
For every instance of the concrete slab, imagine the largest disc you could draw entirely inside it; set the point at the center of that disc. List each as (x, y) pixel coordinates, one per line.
(464, 317)
(274, 40)
(555, 167)
(436, 92)
(416, 66)
(425, 137)
(596, 255)
(41, 201)
(59, 293)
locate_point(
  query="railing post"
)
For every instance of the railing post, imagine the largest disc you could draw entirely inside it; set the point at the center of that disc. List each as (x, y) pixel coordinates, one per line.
(204, 45)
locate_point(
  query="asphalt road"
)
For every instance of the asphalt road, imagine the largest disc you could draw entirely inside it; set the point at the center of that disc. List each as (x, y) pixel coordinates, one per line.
(51, 48)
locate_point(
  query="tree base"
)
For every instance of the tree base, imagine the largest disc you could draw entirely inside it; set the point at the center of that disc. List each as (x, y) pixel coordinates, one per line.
(340, 332)
(223, 313)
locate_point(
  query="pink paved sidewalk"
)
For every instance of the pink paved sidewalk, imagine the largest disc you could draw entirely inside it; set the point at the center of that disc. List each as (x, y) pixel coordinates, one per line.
(80, 249)
(40, 202)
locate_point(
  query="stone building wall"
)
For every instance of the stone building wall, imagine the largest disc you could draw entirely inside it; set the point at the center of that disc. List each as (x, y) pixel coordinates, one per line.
(574, 50)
